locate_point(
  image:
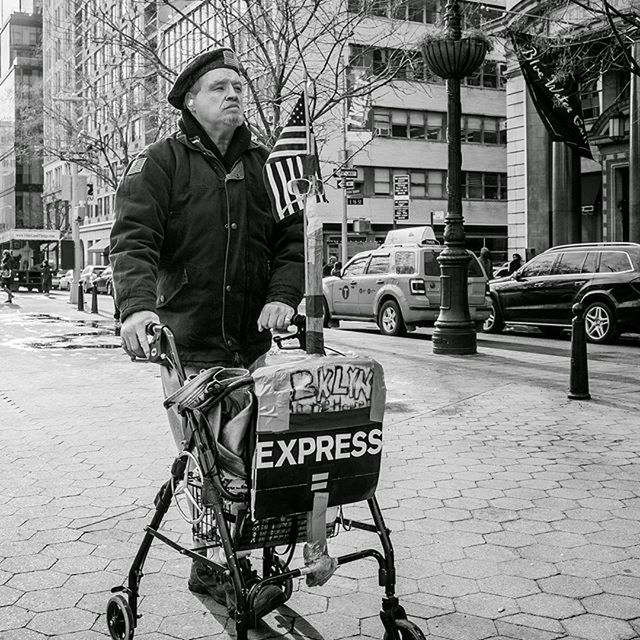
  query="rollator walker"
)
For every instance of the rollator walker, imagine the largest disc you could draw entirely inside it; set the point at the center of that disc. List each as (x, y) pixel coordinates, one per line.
(313, 445)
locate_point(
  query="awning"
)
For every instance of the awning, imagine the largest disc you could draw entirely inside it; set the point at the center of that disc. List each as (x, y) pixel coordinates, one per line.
(102, 246)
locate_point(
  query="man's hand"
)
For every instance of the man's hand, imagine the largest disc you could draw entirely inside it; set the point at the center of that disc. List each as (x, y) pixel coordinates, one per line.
(134, 333)
(275, 315)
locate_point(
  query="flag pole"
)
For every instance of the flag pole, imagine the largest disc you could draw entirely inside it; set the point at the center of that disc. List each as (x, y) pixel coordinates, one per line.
(313, 243)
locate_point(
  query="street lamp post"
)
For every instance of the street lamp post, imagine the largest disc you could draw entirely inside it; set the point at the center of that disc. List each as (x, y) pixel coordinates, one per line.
(453, 57)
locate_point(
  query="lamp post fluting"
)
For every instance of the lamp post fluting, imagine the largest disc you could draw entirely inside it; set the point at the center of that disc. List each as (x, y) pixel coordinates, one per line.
(453, 57)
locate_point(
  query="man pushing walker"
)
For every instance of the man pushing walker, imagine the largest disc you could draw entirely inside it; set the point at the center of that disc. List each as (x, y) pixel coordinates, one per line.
(196, 246)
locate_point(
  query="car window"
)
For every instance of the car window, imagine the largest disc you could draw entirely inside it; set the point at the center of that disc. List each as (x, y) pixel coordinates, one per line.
(614, 262)
(590, 263)
(356, 268)
(540, 266)
(404, 262)
(570, 262)
(379, 264)
(431, 266)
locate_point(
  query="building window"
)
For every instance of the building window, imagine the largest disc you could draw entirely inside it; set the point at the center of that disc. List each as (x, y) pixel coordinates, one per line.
(484, 186)
(382, 122)
(423, 183)
(590, 99)
(381, 182)
(491, 75)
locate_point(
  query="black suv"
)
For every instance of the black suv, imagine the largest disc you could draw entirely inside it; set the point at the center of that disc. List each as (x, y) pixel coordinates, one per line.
(604, 276)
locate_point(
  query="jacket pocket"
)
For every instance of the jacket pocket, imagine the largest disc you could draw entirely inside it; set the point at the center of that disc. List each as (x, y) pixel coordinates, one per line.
(170, 283)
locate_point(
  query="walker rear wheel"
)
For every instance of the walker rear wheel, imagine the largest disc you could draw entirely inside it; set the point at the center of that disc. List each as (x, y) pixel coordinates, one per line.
(120, 618)
(407, 631)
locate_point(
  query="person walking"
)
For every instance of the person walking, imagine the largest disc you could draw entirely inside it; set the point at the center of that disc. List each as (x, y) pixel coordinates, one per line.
(328, 268)
(6, 275)
(487, 263)
(515, 263)
(45, 277)
(196, 246)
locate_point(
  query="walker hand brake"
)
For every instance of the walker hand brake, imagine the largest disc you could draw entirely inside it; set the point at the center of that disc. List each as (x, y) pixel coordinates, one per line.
(300, 322)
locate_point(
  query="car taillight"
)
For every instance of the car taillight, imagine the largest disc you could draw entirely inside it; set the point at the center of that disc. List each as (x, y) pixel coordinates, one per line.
(487, 290)
(417, 286)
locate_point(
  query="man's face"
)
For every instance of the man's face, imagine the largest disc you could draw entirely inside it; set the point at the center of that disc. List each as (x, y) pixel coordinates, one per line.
(218, 99)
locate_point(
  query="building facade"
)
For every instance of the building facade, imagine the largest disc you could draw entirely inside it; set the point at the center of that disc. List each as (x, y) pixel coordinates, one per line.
(20, 88)
(555, 197)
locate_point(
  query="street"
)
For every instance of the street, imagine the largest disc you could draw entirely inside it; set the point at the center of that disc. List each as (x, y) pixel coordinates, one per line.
(514, 511)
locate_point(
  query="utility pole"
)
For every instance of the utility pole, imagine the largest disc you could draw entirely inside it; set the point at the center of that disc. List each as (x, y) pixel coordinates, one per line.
(78, 204)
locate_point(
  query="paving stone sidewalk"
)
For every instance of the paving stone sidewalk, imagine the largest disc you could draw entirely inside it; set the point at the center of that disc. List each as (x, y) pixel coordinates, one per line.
(515, 512)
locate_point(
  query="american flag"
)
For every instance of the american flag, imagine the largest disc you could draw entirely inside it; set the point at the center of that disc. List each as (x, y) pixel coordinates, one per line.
(285, 163)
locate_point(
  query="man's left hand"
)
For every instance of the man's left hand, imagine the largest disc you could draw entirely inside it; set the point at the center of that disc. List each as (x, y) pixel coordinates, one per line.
(275, 315)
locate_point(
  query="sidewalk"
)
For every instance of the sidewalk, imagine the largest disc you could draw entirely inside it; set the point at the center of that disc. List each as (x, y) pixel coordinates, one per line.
(515, 512)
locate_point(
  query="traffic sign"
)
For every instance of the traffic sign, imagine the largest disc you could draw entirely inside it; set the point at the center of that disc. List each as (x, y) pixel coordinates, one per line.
(356, 200)
(345, 183)
(348, 173)
(401, 186)
(401, 209)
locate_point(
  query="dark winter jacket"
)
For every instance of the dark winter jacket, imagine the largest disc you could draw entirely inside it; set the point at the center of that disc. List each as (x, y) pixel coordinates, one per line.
(195, 240)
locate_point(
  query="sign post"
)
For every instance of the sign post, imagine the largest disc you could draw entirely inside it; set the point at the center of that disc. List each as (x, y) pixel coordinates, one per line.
(401, 198)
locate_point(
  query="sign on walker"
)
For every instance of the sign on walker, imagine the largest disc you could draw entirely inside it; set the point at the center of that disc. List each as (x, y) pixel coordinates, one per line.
(319, 428)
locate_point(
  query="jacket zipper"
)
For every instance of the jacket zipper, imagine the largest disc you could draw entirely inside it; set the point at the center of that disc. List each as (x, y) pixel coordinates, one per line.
(196, 142)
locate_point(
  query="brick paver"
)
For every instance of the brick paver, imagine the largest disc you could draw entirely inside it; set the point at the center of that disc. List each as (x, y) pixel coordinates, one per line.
(514, 511)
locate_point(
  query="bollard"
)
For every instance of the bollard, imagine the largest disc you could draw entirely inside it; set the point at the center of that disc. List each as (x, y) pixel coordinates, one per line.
(94, 299)
(579, 375)
(80, 297)
(116, 314)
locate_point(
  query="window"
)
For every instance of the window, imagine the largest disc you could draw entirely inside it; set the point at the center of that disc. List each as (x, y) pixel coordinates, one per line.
(382, 122)
(436, 183)
(418, 187)
(472, 129)
(431, 266)
(416, 125)
(540, 266)
(378, 264)
(484, 186)
(436, 126)
(356, 268)
(381, 181)
(404, 262)
(614, 262)
(398, 124)
(491, 75)
(590, 99)
(570, 262)
(472, 184)
(590, 263)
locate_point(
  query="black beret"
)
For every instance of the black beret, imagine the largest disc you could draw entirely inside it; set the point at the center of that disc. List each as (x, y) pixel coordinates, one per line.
(216, 59)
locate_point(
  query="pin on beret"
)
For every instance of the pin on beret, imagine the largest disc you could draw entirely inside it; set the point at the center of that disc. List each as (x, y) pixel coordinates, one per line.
(216, 59)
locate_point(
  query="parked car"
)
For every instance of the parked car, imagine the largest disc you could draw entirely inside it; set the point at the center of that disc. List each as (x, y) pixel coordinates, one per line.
(603, 276)
(104, 281)
(398, 285)
(66, 280)
(89, 274)
(55, 278)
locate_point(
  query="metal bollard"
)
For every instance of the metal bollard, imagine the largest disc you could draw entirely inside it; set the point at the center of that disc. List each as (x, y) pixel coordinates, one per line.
(80, 297)
(579, 375)
(94, 299)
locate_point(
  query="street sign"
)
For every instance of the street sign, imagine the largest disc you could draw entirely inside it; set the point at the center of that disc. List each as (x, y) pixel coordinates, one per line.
(348, 173)
(345, 183)
(401, 209)
(401, 197)
(356, 200)
(401, 186)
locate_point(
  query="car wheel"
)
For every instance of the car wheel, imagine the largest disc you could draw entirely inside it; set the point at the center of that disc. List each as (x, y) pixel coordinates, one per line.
(390, 319)
(600, 323)
(494, 323)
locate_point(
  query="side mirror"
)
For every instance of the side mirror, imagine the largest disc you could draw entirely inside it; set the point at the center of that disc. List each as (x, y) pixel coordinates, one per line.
(517, 275)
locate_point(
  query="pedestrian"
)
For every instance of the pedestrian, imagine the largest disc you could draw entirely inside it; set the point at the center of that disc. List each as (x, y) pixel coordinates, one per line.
(45, 277)
(487, 263)
(328, 267)
(515, 264)
(196, 246)
(6, 275)
(337, 269)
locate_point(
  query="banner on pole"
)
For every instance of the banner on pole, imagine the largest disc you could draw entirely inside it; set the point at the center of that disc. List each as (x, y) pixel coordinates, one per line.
(555, 96)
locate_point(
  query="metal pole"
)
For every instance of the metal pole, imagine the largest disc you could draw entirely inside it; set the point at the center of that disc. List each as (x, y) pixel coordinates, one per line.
(634, 151)
(454, 330)
(579, 374)
(344, 228)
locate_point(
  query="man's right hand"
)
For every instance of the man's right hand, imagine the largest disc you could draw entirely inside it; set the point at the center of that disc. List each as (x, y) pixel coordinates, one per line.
(134, 333)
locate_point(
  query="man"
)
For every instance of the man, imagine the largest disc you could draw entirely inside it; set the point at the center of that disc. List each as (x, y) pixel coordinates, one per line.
(196, 246)
(487, 262)
(327, 269)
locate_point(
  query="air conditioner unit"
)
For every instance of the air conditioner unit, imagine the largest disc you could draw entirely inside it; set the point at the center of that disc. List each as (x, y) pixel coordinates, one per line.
(361, 225)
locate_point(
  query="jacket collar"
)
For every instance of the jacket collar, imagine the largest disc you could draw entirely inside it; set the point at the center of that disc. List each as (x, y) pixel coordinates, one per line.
(195, 134)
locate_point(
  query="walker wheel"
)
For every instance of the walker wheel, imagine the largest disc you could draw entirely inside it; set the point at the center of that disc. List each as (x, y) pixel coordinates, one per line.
(120, 618)
(407, 631)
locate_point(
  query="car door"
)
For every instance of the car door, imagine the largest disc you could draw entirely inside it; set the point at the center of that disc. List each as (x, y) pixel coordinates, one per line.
(345, 292)
(520, 297)
(558, 291)
(369, 283)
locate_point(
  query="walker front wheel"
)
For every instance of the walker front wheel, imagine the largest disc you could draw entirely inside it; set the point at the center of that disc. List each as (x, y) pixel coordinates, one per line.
(120, 618)
(407, 631)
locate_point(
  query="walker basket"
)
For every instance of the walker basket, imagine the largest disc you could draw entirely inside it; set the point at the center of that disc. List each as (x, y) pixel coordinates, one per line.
(251, 534)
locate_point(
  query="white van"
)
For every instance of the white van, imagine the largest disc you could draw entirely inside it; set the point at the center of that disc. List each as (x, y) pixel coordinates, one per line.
(398, 285)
